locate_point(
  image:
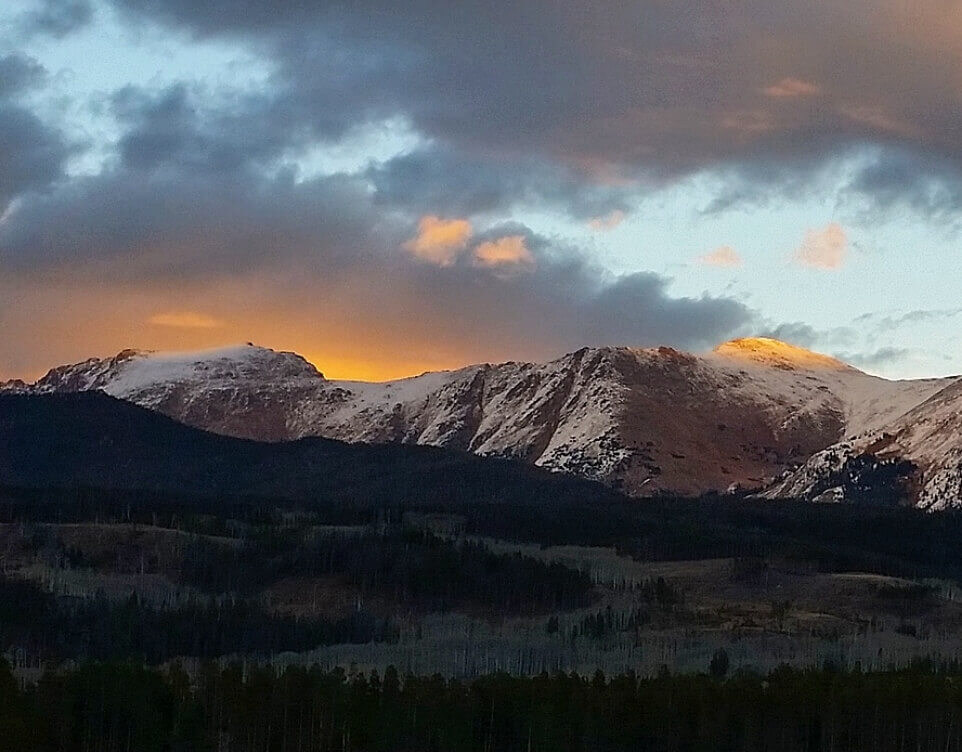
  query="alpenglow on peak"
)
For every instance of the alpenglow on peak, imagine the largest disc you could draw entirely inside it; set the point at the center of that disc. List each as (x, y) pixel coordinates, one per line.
(773, 352)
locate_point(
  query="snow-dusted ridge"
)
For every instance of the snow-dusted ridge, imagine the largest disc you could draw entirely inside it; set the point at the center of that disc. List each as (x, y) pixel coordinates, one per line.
(646, 420)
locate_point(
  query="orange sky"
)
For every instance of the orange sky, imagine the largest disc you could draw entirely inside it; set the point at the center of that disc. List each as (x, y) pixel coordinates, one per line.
(50, 325)
(335, 360)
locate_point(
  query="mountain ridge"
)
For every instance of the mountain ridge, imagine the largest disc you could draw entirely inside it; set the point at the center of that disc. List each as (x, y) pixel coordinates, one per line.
(643, 420)
(80, 440)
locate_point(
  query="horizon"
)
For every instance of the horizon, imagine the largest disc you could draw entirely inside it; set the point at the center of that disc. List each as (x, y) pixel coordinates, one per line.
(333, 375)
(392, 190)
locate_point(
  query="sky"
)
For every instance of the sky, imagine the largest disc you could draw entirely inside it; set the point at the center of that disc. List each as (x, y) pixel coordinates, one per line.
(388, 188)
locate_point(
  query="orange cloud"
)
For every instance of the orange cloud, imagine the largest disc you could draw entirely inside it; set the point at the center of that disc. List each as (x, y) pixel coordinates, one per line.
(439, 241)
(724, 256)
(607, 221)
(823, 249)
(504, 252)
(185, 320)
(792, 88)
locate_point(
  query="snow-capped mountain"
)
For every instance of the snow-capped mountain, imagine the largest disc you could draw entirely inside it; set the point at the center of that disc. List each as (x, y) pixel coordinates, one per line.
(642, 419)
(920, 452)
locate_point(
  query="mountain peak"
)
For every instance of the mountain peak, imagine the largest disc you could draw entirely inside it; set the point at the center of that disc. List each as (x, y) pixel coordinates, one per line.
(777, 354)
(223, 363)
(132, 371)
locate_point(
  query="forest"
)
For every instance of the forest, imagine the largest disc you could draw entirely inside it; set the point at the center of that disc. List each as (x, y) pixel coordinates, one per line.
(884, 539)
(403, 598)
(408, 569)
(465, 589)
(116, 707)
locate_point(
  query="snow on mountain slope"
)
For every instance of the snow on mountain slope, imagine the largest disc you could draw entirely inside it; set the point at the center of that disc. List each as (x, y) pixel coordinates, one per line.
(560, 414)
(242, 391)
(867, 403)
(646, 420)
(921, 450)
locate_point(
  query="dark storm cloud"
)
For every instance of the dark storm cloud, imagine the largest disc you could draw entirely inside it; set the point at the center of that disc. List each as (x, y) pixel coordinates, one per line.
(637, 310)
(547, 103)
(18, 72)
(171, 226)
(563, 303)
(179, 127)
(195, 194)
(907, 179)
(57, 18)
(174, 224)
(770, 91)
(31, 153)
(455, 183)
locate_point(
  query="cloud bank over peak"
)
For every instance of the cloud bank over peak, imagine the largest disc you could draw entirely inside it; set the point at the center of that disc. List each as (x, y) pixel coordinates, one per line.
(496, 154)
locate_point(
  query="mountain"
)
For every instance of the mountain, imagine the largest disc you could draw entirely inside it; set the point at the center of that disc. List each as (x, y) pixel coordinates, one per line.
(642, 420)
(93, 441)
(919, 455)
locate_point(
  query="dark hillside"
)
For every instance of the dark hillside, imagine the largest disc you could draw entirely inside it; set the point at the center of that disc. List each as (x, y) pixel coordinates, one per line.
(92, 441)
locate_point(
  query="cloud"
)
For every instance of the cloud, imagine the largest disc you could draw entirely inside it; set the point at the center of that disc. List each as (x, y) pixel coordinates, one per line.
(273, 257)
(880, 358)
(724, 256)
(380, 320)
(702, 95)
(881, 120)
(884, 325)
(177, 224)
(882, 180)
(795, 333)
(32, 154)
(540, 121)
(792, 88)
(635, 309)
(460, 183)
(57, 18)
(440, 241)
(199, 192)
(823, 249)
(185, 320)
(19, 72)
(830, 340)
(607, 221)
(509, 251)
(189, 126)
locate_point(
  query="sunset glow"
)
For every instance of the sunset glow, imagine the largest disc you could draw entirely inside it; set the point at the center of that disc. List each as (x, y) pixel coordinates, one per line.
(439, 240)
(398, 198)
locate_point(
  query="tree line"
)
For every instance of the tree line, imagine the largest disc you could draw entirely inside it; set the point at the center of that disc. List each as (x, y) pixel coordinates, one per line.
(407, 566)
(121, 707)
(828, 537)
(389, 574)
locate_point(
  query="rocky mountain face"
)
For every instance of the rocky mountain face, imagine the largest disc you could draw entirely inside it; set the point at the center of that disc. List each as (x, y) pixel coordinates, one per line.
(917, 457)
(643, 420)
